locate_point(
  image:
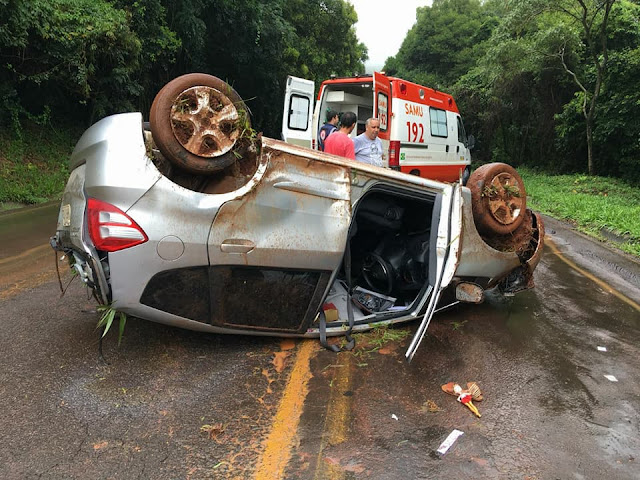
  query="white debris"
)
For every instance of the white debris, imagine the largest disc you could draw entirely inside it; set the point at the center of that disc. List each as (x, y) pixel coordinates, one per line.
(394, 416)
(611, 378)
(602, 349)
(453, 436)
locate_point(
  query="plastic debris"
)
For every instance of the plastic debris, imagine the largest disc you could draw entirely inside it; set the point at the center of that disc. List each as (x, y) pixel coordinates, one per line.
(446, 445)
(394, 416)
(611, 378)
(602, 349)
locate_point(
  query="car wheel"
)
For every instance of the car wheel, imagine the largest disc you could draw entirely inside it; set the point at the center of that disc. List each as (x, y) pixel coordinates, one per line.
(196, 120)
(498, 198)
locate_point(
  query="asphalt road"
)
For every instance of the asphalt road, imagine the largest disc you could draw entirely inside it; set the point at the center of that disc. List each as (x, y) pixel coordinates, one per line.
(172, 404)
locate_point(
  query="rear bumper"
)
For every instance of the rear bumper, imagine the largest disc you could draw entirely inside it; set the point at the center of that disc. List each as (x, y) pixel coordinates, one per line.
(71, 237)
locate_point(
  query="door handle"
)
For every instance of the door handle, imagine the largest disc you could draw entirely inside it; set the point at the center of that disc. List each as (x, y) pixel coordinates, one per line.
(458, 149)
(237, 245)
(447, 148)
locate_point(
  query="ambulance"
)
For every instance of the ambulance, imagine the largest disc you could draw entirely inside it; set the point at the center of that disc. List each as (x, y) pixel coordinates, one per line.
(420, 128)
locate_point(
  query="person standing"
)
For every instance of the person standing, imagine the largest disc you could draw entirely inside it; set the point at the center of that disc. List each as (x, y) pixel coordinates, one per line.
(339, 142)
(328, 128)
(367, 145)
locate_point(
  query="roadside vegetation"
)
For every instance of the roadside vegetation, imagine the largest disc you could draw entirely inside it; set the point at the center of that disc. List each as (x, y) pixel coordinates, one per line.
(34, 165)
(606, 208)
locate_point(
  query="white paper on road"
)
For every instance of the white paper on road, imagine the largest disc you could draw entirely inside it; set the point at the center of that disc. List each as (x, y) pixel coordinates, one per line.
(611, 378)
(453, 436)
(602, 349)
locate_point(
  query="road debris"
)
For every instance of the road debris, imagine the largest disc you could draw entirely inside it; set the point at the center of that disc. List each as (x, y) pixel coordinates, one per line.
(431, 406)
(446, 445)
(213, 431)
(465, 397)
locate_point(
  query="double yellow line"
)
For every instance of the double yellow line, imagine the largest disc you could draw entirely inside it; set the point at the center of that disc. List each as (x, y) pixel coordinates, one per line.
(282, 437)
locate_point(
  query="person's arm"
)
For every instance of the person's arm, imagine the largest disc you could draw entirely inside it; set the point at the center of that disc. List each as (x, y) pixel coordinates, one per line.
(350, 151)
(357, 146)
(384, 154)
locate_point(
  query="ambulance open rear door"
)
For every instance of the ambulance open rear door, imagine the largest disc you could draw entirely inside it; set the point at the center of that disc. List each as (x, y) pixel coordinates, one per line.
(382, 110)
(298, 111)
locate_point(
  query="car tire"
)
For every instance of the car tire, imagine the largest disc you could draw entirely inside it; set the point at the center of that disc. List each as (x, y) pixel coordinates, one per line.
(498, 198)
(196, 120)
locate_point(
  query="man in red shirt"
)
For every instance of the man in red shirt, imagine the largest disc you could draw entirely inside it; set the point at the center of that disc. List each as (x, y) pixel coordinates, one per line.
(339, 143)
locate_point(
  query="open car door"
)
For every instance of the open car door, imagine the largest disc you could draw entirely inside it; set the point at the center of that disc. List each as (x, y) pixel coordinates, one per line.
(298, 111)
(444, 260)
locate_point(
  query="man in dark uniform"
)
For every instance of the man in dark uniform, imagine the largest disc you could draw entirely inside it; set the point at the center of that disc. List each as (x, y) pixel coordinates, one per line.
(328, 128)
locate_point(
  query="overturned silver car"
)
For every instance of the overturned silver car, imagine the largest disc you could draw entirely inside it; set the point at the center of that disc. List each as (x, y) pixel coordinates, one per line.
(197, 222)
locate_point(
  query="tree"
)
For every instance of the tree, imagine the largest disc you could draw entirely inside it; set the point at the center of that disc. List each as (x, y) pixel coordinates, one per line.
(324, 41)
(255, 45)
(444, 44)
(616, 139)
(517, 88)
(71, 57)
(159, 46)
(592, 17)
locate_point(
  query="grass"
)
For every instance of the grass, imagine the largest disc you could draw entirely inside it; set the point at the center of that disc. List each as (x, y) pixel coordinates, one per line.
(376, 338)
(34, 168)
(606, 208)
(107, 316)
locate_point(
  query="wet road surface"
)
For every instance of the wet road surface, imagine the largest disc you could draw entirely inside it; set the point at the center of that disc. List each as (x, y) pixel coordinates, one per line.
(172, 404)
(25, 257)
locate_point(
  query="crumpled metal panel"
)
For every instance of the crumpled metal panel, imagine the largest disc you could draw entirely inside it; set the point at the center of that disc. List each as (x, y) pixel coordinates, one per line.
(297, 217)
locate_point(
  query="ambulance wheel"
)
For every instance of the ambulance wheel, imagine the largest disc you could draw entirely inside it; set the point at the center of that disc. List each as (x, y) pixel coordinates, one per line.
(498, 198)
(196, 120)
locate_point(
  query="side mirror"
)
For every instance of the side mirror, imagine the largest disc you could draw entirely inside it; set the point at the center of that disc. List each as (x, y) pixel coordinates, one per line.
(471, 142)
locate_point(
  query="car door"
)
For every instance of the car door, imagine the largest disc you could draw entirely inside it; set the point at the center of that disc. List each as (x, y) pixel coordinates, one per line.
(274, 248)
(444, 258)
(298, 111)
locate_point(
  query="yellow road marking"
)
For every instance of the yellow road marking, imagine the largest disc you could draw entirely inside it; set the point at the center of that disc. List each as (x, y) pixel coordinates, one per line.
(336, 420)
(591, 277)
(277, 447)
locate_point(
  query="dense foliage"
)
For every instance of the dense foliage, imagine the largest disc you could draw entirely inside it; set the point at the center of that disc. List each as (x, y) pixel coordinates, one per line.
(79, 60)
(535, 78)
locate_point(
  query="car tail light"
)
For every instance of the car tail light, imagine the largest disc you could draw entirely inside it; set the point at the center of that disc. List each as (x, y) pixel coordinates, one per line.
(110, 228)
(394, 155)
